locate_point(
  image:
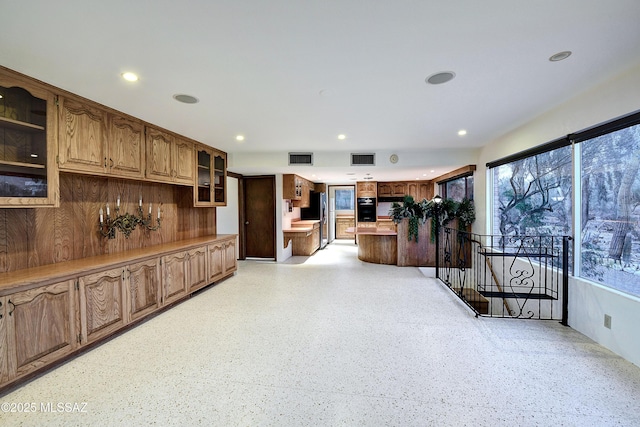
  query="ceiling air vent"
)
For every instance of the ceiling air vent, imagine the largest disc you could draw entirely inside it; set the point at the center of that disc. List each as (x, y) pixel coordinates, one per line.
(301, 159)
(360, 159)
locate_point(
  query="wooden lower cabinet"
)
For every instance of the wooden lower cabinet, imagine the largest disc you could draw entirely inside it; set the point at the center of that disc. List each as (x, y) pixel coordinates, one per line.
(38, 327)
(174, 277)
(342, 224)
(198, 277)
(143, 288)
(222, 259)
(46, 323)
(102, 303)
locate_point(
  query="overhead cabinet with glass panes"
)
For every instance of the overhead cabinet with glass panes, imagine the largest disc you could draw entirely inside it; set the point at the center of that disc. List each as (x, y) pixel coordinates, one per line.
(211, 178)
(28, 174)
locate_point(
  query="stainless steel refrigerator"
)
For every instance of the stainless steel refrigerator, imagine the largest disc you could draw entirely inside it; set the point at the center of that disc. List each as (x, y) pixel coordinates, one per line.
(318, 210)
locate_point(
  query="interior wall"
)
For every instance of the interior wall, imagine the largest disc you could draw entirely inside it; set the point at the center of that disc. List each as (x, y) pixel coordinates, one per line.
(31, 237)
(228, 218)
(588, 302)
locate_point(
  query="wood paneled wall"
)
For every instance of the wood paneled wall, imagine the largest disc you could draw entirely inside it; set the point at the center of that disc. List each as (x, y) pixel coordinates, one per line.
(40, 236)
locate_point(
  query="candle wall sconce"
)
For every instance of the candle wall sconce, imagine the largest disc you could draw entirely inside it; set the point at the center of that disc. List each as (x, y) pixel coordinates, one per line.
(127, 222)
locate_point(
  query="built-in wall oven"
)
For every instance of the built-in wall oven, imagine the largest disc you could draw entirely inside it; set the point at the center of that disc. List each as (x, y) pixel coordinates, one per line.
(366, 209)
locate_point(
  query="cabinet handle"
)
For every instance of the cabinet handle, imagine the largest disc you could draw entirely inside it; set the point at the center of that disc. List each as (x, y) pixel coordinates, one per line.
(0, 307)
(105, 162)
(111, 160)
(13, 309)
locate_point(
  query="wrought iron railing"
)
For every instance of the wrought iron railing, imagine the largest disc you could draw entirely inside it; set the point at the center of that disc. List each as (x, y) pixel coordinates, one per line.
(522, 277)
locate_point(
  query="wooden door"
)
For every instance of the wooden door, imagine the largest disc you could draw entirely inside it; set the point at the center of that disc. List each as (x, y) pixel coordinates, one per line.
(143, 290)
(126, 147)
(82, 142)
(260, 218)
(174, 277)
(41, 326)
(102, 303)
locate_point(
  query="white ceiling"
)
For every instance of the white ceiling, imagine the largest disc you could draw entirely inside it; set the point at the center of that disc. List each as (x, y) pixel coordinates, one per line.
(291, 75)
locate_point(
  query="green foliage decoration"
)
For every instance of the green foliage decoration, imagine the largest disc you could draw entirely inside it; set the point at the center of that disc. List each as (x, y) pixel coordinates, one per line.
(443, 212)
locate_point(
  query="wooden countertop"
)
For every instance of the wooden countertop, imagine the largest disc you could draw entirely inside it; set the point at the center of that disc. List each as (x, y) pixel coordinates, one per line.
(301, 226)
(51, 273)
(371, 231)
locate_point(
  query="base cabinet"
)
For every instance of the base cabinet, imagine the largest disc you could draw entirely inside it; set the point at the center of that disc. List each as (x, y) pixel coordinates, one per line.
(174, 277)
(198, 277)
(39, 326)
(101, 303)
(222, 259)
(46, 323)
(143, 288)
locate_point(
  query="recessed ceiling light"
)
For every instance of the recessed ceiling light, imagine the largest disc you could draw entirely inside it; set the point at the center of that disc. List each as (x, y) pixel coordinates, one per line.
(187, 99)
(130, 77)
(462, 132)
(239, 137)
(441, 77)
(432, 171)
(560, 56)
(424, 174)
(342, 136)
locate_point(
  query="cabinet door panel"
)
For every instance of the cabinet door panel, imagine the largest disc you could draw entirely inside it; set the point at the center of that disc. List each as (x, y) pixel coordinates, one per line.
(4, 342)
(159, 155)
(184, 163)
(198, 268)
(82, 141)
(174, 278)
(41, 326)
(143, 288)
(216, 261)
(101, 303)
(126, 152)
(230, 258)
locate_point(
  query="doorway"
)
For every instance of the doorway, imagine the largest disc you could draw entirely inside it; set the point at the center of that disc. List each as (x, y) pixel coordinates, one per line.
(259, 210)
(341, 211)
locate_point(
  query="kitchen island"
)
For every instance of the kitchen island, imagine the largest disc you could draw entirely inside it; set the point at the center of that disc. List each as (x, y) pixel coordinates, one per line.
(376, 245)
(382, 246)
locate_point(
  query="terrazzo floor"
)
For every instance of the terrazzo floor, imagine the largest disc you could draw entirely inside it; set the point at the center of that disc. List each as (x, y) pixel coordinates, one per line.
(332, 341)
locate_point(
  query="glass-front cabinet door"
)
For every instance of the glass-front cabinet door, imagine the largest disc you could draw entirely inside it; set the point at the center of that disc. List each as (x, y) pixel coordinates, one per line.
(28, 175)
(210, 189)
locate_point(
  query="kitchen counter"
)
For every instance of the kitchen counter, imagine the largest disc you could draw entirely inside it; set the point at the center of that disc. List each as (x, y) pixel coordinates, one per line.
(302, 226)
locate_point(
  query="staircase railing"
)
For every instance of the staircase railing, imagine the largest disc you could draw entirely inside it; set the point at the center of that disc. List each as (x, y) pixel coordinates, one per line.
(523, 277)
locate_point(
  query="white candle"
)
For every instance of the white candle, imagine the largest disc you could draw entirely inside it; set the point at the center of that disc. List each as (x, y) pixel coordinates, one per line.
(140, 201)
(101, 217)
(107, 210)
(118, 202)
(149, 209)
(158, 212)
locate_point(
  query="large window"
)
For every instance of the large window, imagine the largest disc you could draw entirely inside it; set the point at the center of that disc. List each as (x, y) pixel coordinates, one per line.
(532, 195)
(610, 209)
(458, 188)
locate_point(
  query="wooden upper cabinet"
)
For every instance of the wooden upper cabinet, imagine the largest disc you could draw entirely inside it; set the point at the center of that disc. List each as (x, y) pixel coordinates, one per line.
(126, 147)
(82, 143)
(169, 159)
(366, 189)
(420, 190)
(94, 141)
(211, 177)
(28, 135)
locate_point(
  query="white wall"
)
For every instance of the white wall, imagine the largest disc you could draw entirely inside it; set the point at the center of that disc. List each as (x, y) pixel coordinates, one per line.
(227, 218)
(588, 302)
